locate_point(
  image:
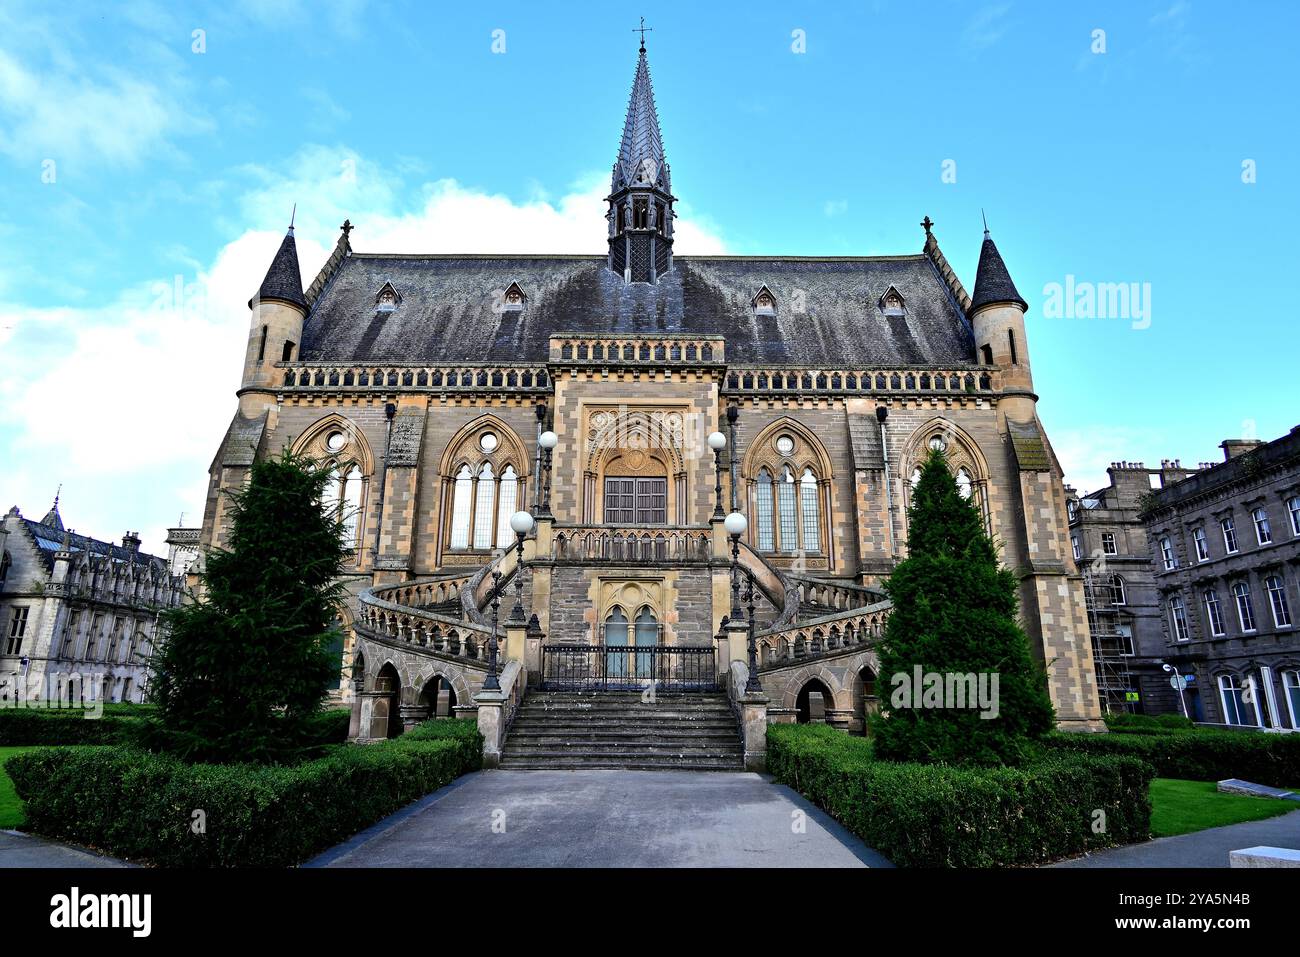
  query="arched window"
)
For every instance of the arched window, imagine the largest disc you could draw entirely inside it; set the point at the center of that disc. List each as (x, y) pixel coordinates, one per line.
(460, 508)
(964, 483)
(506, 505)
(1245, 608)
(766, 536)
(484, 496)
(811, 516)
(351, 506)
(785, 509)
(616, 637)
(1117, 592)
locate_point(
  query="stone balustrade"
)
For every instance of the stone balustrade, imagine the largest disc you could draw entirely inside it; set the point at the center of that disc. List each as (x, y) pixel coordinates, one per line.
(383, 615)
(315, 376)
(631, 544)
(833, 596)
(957, 380)
(827, 635)
(638, 350)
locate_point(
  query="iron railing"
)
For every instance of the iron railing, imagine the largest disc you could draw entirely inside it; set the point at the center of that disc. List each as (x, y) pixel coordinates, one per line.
(629, 668)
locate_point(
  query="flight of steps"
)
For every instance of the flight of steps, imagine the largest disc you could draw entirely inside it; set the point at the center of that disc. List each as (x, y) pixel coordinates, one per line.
(560, 730)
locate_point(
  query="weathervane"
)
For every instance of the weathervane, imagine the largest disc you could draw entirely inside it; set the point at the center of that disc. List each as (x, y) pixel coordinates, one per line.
(643, 29)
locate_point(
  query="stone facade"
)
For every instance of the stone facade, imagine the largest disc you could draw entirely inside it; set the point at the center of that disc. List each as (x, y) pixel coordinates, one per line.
(80, 616)
(426, 383)
(1225, 549)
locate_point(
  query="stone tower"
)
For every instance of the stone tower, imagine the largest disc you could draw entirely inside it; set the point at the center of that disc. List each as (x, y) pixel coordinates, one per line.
(275, 330)
(640, 193)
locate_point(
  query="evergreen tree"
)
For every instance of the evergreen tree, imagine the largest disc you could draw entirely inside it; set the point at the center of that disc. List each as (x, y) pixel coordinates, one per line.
(954, 613)
(241, 672)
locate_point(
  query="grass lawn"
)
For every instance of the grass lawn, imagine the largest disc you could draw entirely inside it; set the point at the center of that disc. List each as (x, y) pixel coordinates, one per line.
(1180, 807)
(11, 809)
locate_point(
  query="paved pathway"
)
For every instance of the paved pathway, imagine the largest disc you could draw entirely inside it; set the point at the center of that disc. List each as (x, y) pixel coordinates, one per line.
(1200, 849)
(606, 819)
(26, 850)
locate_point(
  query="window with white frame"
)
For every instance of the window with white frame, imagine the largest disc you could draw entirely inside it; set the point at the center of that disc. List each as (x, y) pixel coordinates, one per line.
(1245, 607)
(1229, 535)
(1263, 533)
(1291, 688)
(17, 628)
(1178, 619)
(1118, 590)
(1277, 601)
(1214, 612)
(1167, 554)
(486, 491)
(1202, 544)
(1074, 546)
(1236, 709)
(1108, 543)
(1293, 509)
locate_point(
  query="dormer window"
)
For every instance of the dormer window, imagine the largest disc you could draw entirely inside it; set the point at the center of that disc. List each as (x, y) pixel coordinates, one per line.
(387, 301)
(513, 299)
(891, 303)
(764, 303)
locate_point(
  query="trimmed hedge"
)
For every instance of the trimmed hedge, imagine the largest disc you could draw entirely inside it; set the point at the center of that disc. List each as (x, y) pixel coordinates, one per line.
(932, 815)
(119, 724)
(1272, 759)
(139, 805)
(1149, 724)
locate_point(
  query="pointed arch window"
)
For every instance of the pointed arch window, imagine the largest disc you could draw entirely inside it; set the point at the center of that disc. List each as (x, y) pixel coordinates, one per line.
(808, 507)
(766, 536)
(506, 505)
(343, 498)
(461, 508)
(485, 494)
(486, 488)
(786, 511)
(964, 485)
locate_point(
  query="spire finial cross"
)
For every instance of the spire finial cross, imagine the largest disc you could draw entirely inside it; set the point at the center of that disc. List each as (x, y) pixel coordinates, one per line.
(643, 30)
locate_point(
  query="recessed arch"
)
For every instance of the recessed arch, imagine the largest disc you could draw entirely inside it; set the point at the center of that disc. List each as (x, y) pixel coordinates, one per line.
(314, 442)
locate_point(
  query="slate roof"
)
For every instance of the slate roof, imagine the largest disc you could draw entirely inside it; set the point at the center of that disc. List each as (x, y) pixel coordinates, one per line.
(49, 540)
(284, 278)
(992, 281)
(449, 309)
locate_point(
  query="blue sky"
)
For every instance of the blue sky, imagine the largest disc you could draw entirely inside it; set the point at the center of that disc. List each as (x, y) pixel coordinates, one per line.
(146, 184)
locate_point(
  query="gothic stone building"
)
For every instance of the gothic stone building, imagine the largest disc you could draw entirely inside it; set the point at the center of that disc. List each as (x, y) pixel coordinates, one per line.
(1226, 556)
(425, 382)
(80, 616)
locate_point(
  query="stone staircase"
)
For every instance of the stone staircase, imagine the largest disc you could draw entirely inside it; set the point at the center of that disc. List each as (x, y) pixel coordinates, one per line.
(561, 730)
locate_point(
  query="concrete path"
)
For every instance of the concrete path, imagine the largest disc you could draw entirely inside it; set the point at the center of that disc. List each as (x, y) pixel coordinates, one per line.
(606, 819)
(1199, 849)
(26, 850)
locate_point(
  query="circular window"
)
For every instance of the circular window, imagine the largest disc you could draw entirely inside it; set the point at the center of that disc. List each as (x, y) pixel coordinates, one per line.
(335, 441)
(488, 442)
(785, 445)
(938, 443)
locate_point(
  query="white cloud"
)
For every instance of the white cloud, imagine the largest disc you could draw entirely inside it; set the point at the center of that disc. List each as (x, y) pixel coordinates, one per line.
(1086, 453)
(987, 26)
(126, 403)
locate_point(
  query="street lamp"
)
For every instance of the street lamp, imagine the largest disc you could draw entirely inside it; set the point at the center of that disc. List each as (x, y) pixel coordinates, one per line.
(735, 526)
(490, 683)
(548, 441)
(1182, 687)
(753, 684)
(521, 523)
(717, 442)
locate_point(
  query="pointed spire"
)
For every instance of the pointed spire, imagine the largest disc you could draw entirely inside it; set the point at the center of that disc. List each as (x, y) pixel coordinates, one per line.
(52, 517)
(641, 151)
(992, 281)
(284, 279)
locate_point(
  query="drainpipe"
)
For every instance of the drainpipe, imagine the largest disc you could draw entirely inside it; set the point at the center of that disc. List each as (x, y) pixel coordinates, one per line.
(882, 414)
(390, 410)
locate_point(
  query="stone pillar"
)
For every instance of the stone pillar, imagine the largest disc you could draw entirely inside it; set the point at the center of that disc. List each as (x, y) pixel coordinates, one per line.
(753, 725)
(491, 724)
(737, 645)
(534, 638)
(413, 714)
(373, 725)
(816, 708)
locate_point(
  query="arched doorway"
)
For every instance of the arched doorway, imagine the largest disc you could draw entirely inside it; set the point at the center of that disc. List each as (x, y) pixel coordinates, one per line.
(866, 698)
(439, 697)
(616, 636)
(803, 707)
(388, 696)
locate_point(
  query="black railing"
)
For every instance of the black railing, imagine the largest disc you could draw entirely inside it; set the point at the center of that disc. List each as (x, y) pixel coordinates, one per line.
(628, 668)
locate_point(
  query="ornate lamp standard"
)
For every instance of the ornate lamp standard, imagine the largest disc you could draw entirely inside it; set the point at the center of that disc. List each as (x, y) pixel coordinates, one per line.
(521, 523)
(537, 468)
(753, 684)
(490, 683)
(717, 442)
(548, 441)
(735, 526)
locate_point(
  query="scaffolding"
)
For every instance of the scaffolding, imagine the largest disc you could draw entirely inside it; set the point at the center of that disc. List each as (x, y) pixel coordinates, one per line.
(1112, 649)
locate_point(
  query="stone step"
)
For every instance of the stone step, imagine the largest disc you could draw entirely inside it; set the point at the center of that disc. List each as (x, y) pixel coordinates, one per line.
(653, 741)
(611, 764)
(622, 726)
(626, 754)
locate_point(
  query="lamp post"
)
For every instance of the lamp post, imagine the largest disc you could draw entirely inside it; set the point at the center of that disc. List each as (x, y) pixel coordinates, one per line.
(717, 442)
(490, 683)
(753, 684)
(537, 468)
(548, 441)
(1182, 686)
(735, 526)
(733, 413)
(521, 523)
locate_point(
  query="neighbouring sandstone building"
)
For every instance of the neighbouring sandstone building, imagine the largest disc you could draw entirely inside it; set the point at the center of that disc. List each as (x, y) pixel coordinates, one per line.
(1225, 553)
(80, 616)
(427, 383)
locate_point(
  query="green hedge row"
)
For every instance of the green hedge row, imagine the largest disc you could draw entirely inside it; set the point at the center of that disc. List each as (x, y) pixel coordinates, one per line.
(119, 723)
(141, 806)
(921, 815)
(1149, 724)
(1272, 759)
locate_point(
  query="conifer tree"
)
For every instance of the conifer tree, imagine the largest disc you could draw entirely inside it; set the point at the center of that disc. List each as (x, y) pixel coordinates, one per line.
(954, 614)
(242, 671)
